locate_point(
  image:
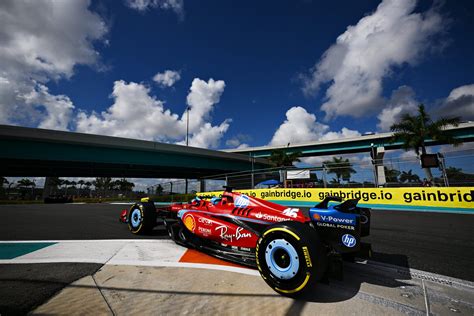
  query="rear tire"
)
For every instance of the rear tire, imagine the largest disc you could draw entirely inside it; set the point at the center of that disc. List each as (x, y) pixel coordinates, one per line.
(142, 218)
(290, 258)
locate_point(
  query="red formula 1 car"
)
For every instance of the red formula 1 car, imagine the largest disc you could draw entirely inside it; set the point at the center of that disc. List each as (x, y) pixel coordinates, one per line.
(291, 249)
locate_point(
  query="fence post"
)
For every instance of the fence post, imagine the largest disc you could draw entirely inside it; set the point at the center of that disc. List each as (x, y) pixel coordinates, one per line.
(443, 169)
(324, 177)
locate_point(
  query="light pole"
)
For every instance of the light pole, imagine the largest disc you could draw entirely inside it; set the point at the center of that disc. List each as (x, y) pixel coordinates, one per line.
(187, 144)
(187, 125)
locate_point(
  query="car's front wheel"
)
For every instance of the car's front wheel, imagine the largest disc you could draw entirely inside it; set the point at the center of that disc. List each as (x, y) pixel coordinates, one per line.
(142, 218)
(290, 257)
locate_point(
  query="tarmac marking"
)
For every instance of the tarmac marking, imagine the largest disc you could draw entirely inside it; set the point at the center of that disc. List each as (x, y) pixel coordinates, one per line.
(136, 252)
(194, 256)
(15, 250)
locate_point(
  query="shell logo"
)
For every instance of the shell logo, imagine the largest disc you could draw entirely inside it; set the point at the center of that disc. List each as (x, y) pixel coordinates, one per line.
(189, 222)
(316, 216)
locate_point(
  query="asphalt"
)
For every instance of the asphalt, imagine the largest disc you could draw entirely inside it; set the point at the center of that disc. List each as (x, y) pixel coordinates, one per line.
(434, 242)
(25, 286)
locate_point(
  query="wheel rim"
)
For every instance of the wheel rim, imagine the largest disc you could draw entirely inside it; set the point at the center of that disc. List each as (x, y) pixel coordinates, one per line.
(135, 218)
(282, 259)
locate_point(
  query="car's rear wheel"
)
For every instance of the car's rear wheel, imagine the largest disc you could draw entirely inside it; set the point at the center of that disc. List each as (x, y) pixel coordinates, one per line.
(290, 257)
(142, 218)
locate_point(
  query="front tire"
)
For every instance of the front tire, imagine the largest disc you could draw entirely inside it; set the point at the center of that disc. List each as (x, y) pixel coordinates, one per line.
(142, 218)
(290, 257)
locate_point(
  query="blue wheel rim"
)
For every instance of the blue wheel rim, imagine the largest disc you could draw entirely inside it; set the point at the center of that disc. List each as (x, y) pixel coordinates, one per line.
(136, 218)
(277, 247)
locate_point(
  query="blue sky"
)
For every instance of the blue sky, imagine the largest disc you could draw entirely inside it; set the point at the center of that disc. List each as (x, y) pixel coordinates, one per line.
(282, 71)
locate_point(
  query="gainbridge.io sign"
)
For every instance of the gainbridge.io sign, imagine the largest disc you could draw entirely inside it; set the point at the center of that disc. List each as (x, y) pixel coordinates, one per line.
(434, 199)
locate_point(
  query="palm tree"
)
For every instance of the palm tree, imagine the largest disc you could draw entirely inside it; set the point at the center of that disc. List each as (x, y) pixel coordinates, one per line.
(3, 181)
(409, 177)
(414, 130)
(341, 167)
(81, 184)
(66, 184)
(54, 183)
(280, 158)
(456, 175)
(26, 183)
(391, 175)
(88, 185)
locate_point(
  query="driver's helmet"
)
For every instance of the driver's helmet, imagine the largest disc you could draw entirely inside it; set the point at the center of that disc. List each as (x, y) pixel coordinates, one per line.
(215, 200)
(196, 201)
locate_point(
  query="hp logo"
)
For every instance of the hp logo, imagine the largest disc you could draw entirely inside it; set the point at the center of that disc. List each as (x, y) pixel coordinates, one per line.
(348, 240)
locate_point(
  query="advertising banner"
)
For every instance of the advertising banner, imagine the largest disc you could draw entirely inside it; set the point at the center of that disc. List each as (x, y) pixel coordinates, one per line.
(297, 174)
(429, 199)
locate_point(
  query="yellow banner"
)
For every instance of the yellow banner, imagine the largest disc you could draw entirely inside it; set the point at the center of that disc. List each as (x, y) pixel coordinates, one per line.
(457, 199)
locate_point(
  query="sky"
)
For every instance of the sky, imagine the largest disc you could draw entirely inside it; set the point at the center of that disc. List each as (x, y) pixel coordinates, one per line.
(251, 73)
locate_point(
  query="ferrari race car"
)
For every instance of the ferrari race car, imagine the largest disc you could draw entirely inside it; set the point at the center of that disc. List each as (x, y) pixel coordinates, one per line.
(290, 248)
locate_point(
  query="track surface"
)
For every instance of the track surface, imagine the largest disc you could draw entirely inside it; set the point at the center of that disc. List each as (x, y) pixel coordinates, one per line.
(25, 286)
(434, 242)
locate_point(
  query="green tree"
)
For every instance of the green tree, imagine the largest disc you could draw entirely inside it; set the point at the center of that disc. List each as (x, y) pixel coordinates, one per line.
(341, 167)
(3, 181)
(159, 189)
(88, 185)
(409, 177)
(24, 184)
(414, 130)
(54, 183)
(457, 176)
(123, 185)
(66, 184)
(280, 158)
(103, 183)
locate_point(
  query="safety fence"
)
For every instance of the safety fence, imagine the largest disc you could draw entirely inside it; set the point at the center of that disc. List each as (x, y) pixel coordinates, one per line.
(455, 170)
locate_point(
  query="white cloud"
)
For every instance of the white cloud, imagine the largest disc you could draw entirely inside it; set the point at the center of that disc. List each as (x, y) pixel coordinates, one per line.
(167, 78)
(301, 126)
(41, 41)
(367, 52)
(134, 114)
(208, 135)
(460, 102)
(238, 141)
(344, 133)
(201, 99)
(58, 108)
(142, 5)
(402, 101)
(137, 114)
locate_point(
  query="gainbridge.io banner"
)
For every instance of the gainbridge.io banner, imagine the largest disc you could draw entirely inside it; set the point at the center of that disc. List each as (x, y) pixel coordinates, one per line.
(430, 199)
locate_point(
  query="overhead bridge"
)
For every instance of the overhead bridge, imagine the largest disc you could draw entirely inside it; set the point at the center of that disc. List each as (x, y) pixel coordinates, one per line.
(39, 152)
(464, 132)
